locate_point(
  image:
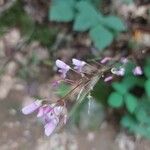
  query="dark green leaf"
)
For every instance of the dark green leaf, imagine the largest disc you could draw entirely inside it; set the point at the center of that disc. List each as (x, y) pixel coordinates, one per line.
(147, 71)
(129, 81)
(101, 37)
(115, 100)
(119, 87)
(147, 87)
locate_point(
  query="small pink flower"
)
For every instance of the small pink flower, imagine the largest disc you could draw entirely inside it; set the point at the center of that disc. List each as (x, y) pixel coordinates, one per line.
(32, 107)
(63, 68)
(51, 126)
(43, 110)
(52, 119)
(51, 115)
(118, 71)
(105, 60)
(137, 70)
(78, 64)
(124, 60)
(109, 78)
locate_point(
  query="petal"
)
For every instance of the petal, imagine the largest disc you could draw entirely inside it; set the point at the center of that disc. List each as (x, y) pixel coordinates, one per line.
(137, 70)
(40, 112)
(109, 78)
(124, 60)
(118, 71)
(105, 60)
(47, 109)
(50, 127)
(77, 62)
(32, 107)
(58, 110)
(62, 65)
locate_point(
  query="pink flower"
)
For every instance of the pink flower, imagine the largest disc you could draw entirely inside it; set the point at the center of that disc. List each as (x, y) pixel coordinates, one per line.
(109, 78)
(43, 110)
(63, 68)
(32, 107)
(124, 60)
(105, 60)
(52, 119)
(78, 64)
(51, 126)
(118, 71)
(137, 70)
(51, 114)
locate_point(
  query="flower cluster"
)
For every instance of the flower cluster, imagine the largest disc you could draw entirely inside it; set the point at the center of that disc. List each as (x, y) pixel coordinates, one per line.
(120, 71)
(50, 114)
(64, 68)
(55, 114)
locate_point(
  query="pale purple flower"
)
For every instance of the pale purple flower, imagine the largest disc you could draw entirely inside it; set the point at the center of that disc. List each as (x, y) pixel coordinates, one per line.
(58, 110)
(137, 70)
(124, 60)
(32, 107)
(51, 115)
(118, 71)
(109, 78)
(105, 60)
(52, 119)
(63, 68)
(78, 64)
(51, 126)
(44, 110)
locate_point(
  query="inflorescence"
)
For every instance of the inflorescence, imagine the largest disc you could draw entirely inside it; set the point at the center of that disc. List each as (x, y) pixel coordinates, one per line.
(55, 114)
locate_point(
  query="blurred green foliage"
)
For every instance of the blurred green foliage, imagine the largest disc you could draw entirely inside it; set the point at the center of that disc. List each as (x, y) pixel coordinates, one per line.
(137, 102)
(130, 96)
(86, 17)
(15, 16)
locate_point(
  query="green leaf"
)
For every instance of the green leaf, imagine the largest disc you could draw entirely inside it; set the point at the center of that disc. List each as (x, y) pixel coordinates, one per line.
(62, 90)
(129, 67)
(127, 121)
(114, 23)
(115, 100)
(119, 87)
(87, 16)
(101, 37)
(129, 81)
(62, 11)
(104, 94)
(147, 87)
(131, 102)
(142, 116)
(147, 71)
